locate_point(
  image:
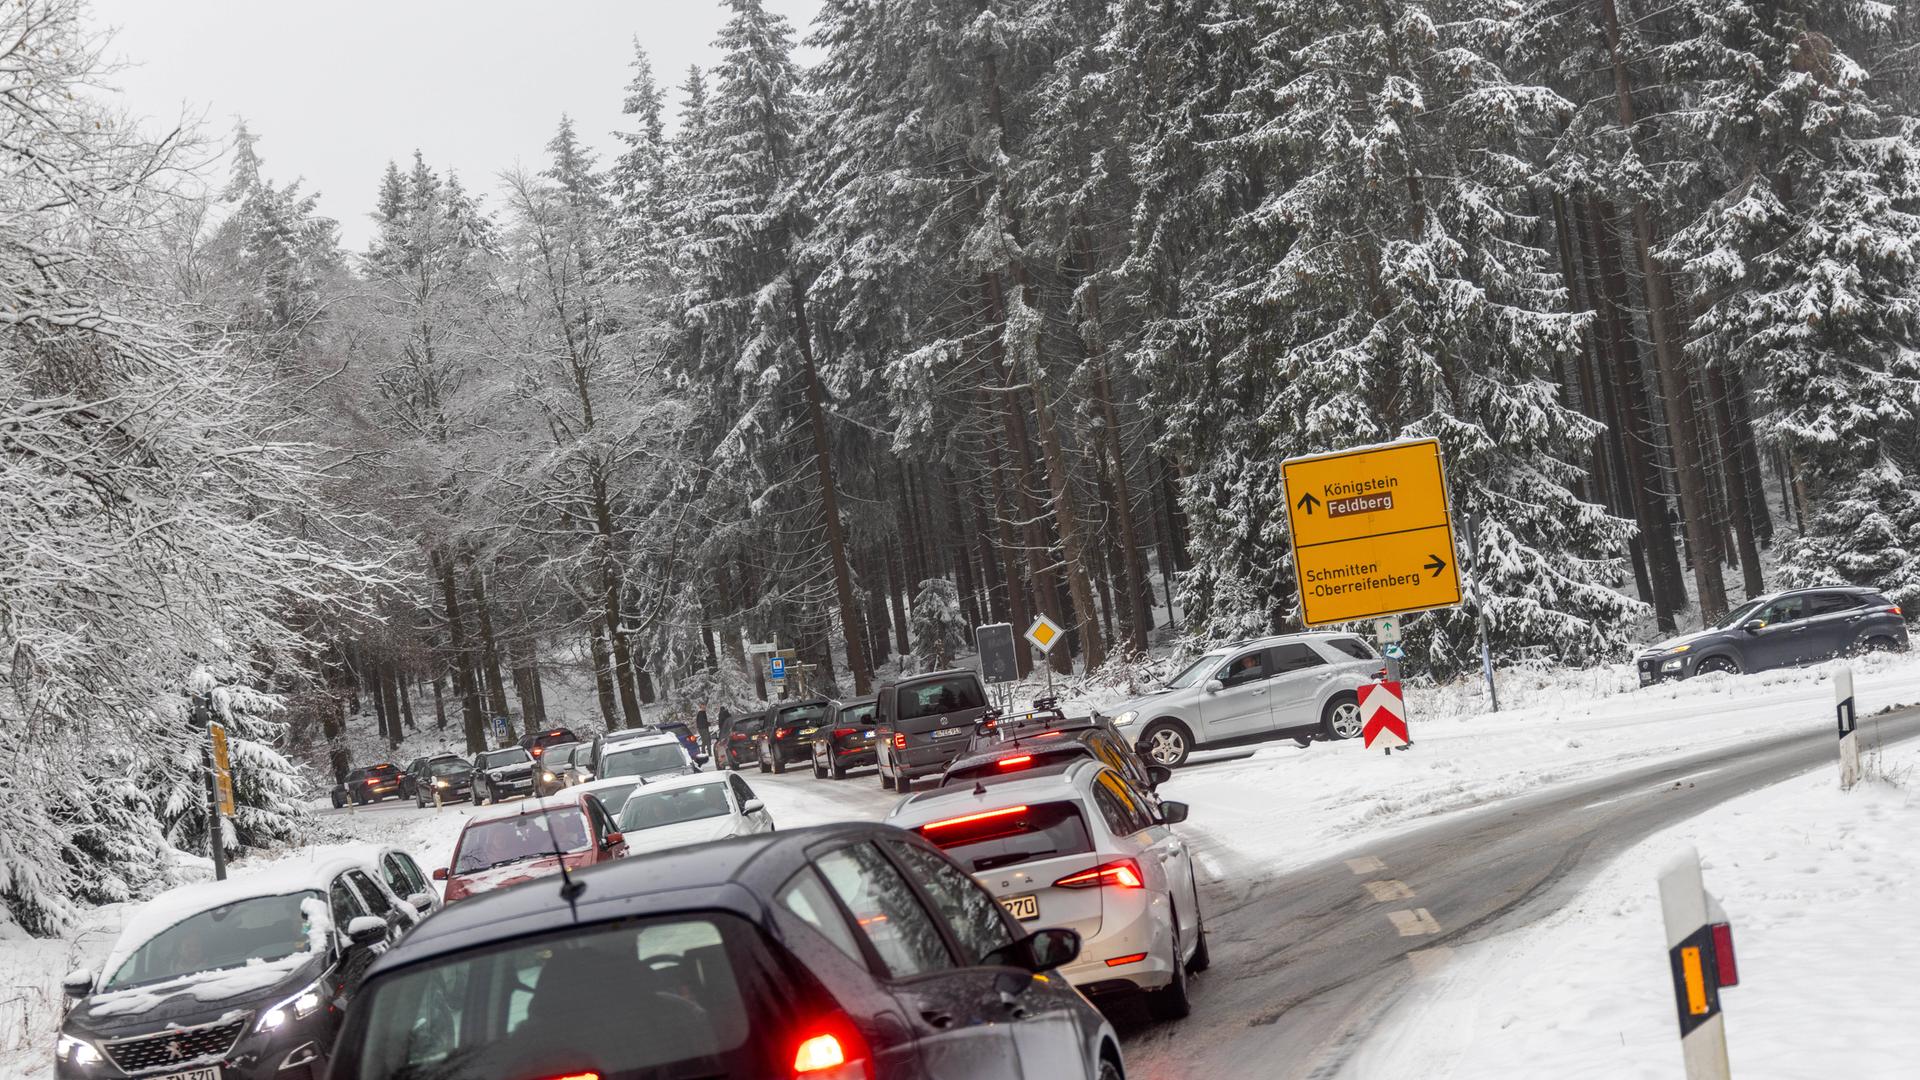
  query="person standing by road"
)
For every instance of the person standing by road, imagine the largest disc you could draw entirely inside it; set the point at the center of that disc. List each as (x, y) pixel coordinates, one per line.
(703, 729)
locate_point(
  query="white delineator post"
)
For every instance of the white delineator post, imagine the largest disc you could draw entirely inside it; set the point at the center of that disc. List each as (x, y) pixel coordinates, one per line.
(1848, 722)
(1691, 917)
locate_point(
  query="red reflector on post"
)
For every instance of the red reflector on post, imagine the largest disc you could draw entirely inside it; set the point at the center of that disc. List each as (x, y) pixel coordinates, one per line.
(1729, 972)
(1016, 762)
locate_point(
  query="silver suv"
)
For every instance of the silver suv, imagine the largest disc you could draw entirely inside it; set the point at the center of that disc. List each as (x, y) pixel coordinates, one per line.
(1302, 686)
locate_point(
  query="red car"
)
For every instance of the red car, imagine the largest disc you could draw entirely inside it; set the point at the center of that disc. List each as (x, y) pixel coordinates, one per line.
(506, 849)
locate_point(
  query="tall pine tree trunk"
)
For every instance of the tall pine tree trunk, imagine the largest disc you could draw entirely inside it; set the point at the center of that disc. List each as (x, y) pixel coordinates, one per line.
(603, 674)
(472, 713)
(489, 648)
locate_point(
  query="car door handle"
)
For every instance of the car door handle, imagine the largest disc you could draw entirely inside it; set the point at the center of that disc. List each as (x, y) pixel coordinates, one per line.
(940, 1020)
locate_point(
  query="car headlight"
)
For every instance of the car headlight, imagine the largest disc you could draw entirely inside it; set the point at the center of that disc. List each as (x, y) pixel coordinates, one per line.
(547, 776)
(1126, 718)
(439, 783)
(493, 774)
(75, 1051)
(298, 1007)
(1674, 664)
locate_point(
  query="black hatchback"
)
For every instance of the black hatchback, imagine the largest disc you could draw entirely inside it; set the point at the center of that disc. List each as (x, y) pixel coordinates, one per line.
(853, 950)
(1804, 626)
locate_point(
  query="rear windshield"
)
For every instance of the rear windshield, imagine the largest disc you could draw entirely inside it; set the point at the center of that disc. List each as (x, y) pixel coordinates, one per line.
(681, 995)
(750, 724)
(649, 809)
(516, 839)
(982, 840)
(940, 696)
(991, 766)
(643, 760)
(803, 715)
(858, 715)
(383, 769)
(614, 796)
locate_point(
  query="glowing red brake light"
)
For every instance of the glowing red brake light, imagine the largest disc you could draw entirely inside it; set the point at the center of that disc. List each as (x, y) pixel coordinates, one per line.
(899, 740)
(1121, 874)
(537, 751)
(1016, 762)
(843, 732)
(984, 815)
(578, 1076)
(781, 732)
(737, 737)
(838, 1053)
(817, 1053)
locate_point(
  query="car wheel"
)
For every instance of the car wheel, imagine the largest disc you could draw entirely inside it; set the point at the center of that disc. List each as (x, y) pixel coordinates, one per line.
(336, 799)
(1202, 957)
(1109, 1070)
(1880, 644)
(1171, 1002)
(904, 785)
(1723, 664)
(1167, 743)
(779, 763)
(886, 782)
(836, 769)
(1341, 718)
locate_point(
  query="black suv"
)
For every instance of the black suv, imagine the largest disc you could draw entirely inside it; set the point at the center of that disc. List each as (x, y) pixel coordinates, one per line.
(853, 950)
(922, 723)
(846, 743)
(788, 737)
(500, 773)
(447, 776)
(370, 785)
(740, 740)
(1786, 629)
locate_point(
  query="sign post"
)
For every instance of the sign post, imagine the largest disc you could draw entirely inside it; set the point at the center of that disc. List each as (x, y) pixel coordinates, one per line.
(1045, 634)
(1700, 955)
(1848, 722)
(200, 715)
(1386, 633)
(1372, 533)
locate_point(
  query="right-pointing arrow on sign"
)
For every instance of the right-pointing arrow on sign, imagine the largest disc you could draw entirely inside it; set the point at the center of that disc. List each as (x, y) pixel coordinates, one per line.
(1435, 564)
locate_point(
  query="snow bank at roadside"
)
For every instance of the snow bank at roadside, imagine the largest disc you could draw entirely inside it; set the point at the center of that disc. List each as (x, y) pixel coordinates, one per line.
(1820, 887)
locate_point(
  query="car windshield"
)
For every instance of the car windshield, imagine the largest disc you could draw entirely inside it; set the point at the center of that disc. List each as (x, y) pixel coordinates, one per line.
(643, 761)
(1195, 671)
(1741, 614)
(983, 841)
(497, 758)
(614, 796)
(652, 809)
(803, 715)
(259, 928)
(678, 995)
(447, 767)
(524, 836)
(940, 696)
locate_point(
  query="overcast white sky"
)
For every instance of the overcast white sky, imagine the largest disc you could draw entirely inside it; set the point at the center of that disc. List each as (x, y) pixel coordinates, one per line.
(336, 89)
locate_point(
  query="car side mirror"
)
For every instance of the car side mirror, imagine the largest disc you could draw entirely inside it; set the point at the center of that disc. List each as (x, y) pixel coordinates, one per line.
(439, 873)
(421, 901)
(1042, 950)
(1158, 774)
(752, 806)
(1214, 686)
(365, 930)
(1174, 812)
(1754, 626)
(78, 983)
(613, 838)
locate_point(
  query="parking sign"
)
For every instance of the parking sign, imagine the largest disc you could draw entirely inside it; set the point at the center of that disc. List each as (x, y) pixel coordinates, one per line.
(776, 668)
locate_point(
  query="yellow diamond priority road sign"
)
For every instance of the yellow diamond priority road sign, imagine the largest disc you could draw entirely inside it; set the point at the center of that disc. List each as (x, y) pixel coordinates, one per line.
(1371, 531)
(1043, 633)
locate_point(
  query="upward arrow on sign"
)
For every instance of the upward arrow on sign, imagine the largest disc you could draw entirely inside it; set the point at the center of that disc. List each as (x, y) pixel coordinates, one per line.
(1384, 713)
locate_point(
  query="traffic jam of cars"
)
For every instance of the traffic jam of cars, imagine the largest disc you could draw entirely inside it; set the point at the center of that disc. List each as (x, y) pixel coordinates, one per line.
(630, 910)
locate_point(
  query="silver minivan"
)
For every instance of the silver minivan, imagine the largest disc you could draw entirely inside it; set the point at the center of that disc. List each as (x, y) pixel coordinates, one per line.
(1299, 686)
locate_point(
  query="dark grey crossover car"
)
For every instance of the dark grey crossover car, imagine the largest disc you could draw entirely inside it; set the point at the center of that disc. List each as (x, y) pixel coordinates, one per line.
(1803, 626)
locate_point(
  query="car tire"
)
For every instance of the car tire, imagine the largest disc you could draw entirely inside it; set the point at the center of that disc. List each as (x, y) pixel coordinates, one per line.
(1880, 643)
(1166, 742)
(779, 763)
(903, 785)
(1202, 956)
(886, 782)
(1109, 1069)
(1341, 718)
(339, 801)
(1721, 664)
(1172, 1002)
(836, 770)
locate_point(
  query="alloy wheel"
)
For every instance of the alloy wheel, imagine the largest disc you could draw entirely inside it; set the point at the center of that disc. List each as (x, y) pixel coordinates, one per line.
(1346, 720)
(1167, 747)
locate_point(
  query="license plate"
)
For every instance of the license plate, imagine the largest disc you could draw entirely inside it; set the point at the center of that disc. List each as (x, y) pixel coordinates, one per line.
(1024, 908)
(869, 734)
(949, 732)
(211, 1073)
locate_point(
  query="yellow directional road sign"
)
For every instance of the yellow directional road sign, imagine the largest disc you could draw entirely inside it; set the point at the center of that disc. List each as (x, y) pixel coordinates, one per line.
(1372, 534)
(222, 769)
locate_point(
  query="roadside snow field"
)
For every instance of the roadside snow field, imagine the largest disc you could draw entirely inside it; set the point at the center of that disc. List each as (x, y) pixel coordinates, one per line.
(1820, 888)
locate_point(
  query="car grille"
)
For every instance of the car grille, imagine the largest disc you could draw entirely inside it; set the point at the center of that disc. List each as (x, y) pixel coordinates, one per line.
(173, 1047)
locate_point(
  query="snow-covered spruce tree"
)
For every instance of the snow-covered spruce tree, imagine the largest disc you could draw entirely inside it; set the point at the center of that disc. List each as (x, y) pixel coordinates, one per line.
(1806, 269)
(1394, 288)
(267, 787)
(939, 630)
(145, 525)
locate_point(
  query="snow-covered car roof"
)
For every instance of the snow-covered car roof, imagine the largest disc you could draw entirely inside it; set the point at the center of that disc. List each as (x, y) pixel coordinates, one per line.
(306, 871)
(671, 783)
(651, 738)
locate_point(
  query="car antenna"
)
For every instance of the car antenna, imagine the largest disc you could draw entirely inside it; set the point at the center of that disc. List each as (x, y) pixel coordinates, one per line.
(570, 889)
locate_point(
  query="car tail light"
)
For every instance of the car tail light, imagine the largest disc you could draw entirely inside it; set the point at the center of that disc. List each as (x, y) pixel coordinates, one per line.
(1016, 762)
(1729, 972)
(899, 740)
(832, 1051)
(984, 815)
(577, 1076)
(1047, 735)
(843, 732)
(1120, 874)
(737, 737)
(782, 732)
(536, 751)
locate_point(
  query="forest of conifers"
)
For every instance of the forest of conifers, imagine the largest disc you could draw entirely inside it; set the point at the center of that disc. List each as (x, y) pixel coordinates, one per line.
(996, 308)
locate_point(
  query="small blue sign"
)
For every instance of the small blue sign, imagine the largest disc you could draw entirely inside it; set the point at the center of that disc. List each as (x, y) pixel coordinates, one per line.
(776, 667)
(1395, 652)
(499, 727)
